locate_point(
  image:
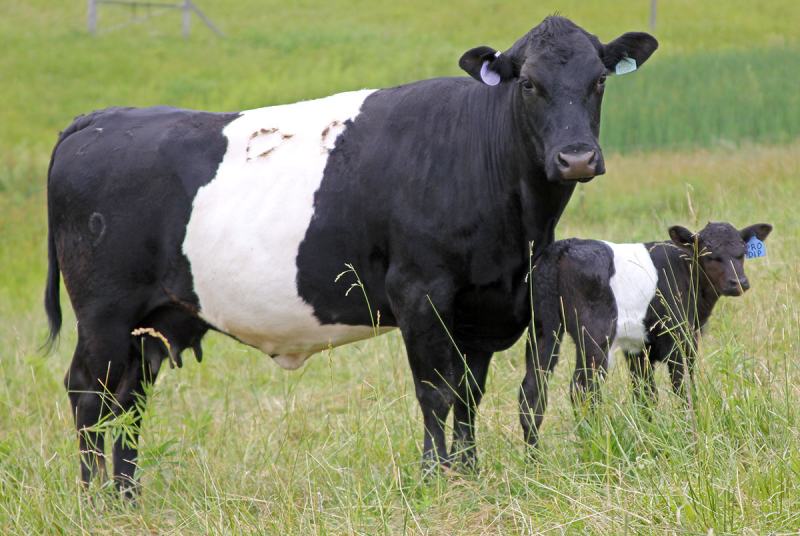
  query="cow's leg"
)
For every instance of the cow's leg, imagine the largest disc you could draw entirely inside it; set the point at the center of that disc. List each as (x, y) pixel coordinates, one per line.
(541, 356)
(143, 366)
(471, 378)
(90, 382)
(424, 315)
(642, 378)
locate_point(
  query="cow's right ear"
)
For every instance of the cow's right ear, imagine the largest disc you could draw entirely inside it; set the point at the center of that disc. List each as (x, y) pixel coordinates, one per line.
(628, 52)
(487, 65)
(682, 236)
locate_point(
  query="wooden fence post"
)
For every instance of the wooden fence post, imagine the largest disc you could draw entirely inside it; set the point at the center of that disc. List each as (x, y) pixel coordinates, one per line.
(187, 17)
(92, 17)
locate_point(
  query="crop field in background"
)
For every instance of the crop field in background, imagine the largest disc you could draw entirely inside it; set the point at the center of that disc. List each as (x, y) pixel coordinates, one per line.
(708, 130)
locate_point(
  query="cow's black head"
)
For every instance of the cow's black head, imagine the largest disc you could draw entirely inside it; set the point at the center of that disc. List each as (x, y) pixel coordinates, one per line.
(559, 71)
(720, 249)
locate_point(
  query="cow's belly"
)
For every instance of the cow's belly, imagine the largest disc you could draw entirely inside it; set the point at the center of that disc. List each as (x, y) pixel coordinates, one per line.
(247, 224)
(634, 287)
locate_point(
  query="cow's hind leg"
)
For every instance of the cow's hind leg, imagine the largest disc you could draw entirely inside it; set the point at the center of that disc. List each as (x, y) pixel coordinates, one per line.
(166, 332)
(98, 364)
(144, 362)
(471, 381)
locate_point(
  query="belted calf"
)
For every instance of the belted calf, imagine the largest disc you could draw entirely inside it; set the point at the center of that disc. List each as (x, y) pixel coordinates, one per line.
(649, 300)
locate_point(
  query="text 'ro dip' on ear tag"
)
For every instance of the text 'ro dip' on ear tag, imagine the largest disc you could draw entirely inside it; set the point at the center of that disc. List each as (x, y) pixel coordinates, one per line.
(625, 66)
(756, 248)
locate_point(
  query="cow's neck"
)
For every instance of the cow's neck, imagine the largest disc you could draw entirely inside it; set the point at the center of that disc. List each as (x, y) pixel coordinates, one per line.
(541, 202)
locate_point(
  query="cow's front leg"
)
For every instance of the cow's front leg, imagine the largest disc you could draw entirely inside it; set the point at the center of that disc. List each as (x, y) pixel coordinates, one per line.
(471, 380)
(424, 315)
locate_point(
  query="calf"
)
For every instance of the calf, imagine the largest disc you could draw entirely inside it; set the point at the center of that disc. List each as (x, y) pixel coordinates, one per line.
(649, 300)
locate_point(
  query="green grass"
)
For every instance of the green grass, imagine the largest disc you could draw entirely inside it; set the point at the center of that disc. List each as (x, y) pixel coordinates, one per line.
(237, 445)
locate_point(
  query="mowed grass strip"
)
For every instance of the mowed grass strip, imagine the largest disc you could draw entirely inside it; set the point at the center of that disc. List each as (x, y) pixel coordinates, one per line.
(238, 445)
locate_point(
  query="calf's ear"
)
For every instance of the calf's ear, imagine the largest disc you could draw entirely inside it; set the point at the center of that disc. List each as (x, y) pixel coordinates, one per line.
(681, 236)
(759, 230)
(635, 46)
(487, 65)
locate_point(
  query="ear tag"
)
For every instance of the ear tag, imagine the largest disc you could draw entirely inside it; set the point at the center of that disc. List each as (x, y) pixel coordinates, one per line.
(756, 248)
(489, 77)
(625, 66)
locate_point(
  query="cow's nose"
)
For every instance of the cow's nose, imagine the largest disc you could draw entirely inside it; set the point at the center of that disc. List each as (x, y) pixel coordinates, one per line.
(577, 166)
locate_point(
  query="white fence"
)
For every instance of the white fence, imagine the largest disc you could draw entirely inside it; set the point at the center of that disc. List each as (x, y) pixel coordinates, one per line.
(143, 10)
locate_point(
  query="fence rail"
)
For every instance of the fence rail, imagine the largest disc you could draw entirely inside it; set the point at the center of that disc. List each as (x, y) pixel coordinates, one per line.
(186, 6)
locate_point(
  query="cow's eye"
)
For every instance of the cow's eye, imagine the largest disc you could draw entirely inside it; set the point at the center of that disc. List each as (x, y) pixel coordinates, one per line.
(527, 84)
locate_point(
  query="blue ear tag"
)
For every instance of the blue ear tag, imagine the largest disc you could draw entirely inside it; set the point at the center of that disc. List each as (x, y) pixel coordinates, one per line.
(625, 66)
(756, 248)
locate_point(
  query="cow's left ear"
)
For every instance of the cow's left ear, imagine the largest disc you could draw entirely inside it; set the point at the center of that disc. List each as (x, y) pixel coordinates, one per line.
(636, 46)
(681, 236)
(487, 65)
(759, 230)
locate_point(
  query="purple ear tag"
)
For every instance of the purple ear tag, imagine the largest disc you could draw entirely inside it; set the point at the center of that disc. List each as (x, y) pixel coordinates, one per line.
(756, 248)
(489, 77)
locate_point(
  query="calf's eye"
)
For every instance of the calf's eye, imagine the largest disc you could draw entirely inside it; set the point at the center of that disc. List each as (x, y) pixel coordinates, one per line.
(601, 82)
(527, 84)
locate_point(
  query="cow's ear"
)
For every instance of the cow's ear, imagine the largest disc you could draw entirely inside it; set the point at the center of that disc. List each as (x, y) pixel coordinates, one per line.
(487, 65)
(628, 52)
(759, 230)
(682, 236)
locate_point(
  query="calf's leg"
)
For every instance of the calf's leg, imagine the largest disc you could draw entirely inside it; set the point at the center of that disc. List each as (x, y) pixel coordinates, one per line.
(642, 378)
(592, 342)
(541, 356)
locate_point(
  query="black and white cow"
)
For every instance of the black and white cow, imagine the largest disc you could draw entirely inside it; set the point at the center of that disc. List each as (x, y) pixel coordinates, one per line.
(184, 221)
(649, 300)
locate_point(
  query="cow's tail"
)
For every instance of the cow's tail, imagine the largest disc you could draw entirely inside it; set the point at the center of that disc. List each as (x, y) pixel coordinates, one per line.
(52, 291)
(52, 297)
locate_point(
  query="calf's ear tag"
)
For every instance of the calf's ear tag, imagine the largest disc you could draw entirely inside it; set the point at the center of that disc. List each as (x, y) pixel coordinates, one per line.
(756, 248)
(625, 66)
(489, 77)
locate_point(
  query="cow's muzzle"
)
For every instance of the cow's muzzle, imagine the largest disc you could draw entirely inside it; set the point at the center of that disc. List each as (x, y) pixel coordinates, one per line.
(578, 162)
(577, 166)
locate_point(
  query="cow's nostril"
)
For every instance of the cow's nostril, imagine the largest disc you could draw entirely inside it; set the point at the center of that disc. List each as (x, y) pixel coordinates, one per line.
(562, 160)
(592, 155)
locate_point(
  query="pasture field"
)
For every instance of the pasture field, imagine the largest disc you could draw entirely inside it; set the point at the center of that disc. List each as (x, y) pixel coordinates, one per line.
(708, 130)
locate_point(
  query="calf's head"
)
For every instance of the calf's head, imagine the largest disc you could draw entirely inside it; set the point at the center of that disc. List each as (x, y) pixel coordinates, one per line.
(720, 250)
(558, 72)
